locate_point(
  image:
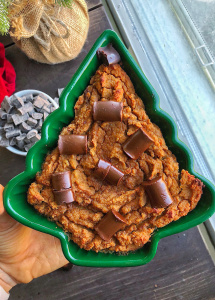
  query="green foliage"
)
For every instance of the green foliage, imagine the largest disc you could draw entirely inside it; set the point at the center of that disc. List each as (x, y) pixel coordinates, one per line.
(4, 21)
(67, 3)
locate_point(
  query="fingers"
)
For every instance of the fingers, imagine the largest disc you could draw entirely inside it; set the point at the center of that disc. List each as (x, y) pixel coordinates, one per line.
(5, 220)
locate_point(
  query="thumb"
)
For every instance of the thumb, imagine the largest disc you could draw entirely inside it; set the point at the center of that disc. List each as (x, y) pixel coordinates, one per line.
(5, 220)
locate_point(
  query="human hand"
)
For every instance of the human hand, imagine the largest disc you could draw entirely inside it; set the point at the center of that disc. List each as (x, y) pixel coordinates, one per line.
(25, 254)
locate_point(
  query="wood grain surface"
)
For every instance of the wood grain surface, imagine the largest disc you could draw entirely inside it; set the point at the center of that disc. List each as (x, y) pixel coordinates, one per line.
(182, 267)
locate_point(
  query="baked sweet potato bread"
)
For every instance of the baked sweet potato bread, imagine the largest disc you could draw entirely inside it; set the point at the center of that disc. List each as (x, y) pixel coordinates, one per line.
(95, 198)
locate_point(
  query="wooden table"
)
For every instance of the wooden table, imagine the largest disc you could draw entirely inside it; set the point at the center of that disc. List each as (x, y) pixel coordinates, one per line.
(182, 267)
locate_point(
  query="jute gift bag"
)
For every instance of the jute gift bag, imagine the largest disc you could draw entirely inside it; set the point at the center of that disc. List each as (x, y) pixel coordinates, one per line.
(47, 32)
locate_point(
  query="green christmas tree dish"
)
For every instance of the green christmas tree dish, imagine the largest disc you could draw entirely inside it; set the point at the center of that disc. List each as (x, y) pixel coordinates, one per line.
(15, 193)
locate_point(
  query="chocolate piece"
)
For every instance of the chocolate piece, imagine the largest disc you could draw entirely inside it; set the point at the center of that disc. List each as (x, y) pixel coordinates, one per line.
(39, 102)
(44, 98)
(3, 114)
(32, 122)
(108, 111)
(17, 119)
(26, 108)
(53, 109)
(56, 100)
(4, 142)
(72, 144)
(17, 102)
(13, 141)
(158, 193)
(2, 123)
(60, 91)
(31, 133)
(108, 55)
(102, 168)
(32, 112)
(137, 143)
(20, 144)
(45, 109)
(9, 118)
(21, 137)
(114, 176)
(35, 138)
(39, 125)
(45, 115)
(8, 127)
(61, 180)
(110, 224)
(6, 105)
(28, 97)
(37, 116)
(63, 196)
(24, 127)
(27, 147)
(12, 133)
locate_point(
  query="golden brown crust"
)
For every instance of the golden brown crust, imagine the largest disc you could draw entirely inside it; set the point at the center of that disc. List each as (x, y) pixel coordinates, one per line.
(94, 198)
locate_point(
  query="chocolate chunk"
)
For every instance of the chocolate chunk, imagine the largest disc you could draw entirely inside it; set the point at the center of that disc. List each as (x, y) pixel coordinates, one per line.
(61, 180)
(158, 193)
(137, 143)
(8, 127)
(17, 102)
(37, 116)
(108, 111)
(2, 131)
(31, 122)
(4, 142)
(45, 115)
(60, 91)
(35, 138)
(108, 55)
(28, 97)
(31, 133)
(20, 144)
(12, 133)
(110, 224)
(2, 123)
(25, 127)
(17, 119)
(3, 114)
(9, 118)
(6, 105)
(53, 109)
(63, 196)
(28, 146)
(72, 144)
(39, 125)
(102, 168)
(13, 141)
(39, 102)
(26, 108)
(44, 97)
(114, 176)
(32, 112)
(45, 109)
(21, 137)
(56, 100)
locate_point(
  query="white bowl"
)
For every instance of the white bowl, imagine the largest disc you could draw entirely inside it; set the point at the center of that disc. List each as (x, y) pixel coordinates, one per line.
(21, 94)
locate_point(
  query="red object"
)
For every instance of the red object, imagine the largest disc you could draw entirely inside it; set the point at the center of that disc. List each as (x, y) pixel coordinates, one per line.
(7, 76)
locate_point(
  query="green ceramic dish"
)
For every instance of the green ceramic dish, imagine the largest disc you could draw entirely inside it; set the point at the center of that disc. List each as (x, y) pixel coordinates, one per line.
(15, 193)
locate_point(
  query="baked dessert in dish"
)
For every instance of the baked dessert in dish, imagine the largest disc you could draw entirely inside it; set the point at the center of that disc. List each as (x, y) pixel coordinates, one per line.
(112, 179)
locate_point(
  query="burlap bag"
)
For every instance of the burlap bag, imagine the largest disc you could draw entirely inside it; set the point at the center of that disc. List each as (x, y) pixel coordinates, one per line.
(47, 32)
